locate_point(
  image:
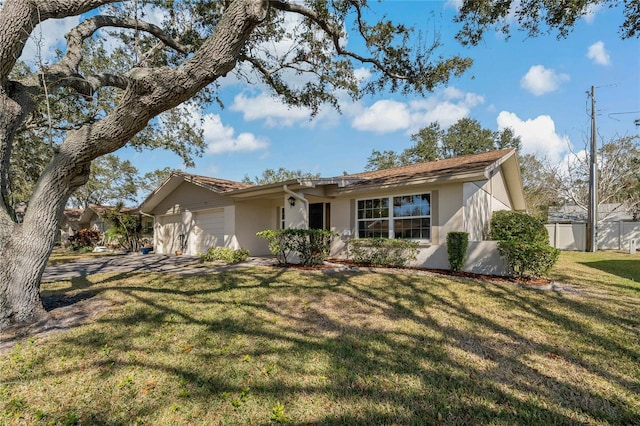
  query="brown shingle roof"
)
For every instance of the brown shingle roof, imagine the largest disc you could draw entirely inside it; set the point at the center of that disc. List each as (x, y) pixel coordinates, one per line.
(215, 184)
(438, 168)
(73, 214)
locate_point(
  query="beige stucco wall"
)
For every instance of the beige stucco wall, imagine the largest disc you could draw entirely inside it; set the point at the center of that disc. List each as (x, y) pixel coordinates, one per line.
(451, 204)
(481, 199)
(252, 217)
(446, 212)
(297, 216)
(190, 197)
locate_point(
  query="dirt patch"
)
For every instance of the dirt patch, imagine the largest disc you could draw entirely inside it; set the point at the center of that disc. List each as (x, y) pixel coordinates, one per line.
(63, 316)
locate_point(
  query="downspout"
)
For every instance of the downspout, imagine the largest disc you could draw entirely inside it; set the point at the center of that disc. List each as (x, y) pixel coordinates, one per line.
(300, 198)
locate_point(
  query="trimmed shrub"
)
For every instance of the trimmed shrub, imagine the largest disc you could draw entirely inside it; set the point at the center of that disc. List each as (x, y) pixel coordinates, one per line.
(524, 243)
(457, 243)
(310, 245)
(510, 225)
(225, 254)
(528, 258)
(382, 251)
(87, 237)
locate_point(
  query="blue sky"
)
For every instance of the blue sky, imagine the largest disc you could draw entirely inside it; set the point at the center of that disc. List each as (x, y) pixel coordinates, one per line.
(537, 86)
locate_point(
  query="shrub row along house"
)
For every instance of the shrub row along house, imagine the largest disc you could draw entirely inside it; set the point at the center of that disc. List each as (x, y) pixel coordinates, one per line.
(422, 202)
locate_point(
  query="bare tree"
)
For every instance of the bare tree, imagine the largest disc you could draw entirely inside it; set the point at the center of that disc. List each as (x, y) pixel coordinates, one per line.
(618, 177)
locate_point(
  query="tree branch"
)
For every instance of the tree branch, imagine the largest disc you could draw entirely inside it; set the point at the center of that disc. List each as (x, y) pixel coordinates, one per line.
(335, 35)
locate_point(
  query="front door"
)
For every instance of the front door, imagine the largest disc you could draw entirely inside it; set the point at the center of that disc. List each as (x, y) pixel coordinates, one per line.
(316, 216)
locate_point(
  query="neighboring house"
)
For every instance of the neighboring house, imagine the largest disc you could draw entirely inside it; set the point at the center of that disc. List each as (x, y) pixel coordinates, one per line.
(69, 224)
(93, 217)
(610, 212)
(422, 202)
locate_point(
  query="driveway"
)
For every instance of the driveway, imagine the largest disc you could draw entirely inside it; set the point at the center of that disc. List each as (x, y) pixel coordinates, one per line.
(167, 263)
(121, 263)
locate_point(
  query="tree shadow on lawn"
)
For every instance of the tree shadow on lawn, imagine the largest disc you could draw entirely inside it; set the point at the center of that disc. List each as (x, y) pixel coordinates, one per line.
(343, 349)
(624, 268)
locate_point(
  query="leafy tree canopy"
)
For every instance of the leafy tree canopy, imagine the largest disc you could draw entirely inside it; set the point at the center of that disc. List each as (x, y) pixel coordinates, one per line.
(280, 175)
(536, 16)
(465, 137)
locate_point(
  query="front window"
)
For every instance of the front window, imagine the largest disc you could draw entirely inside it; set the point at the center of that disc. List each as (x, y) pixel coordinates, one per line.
(410, 217)
(373, 218)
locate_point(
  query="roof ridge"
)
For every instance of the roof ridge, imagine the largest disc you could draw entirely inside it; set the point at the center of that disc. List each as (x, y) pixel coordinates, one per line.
(442, 163)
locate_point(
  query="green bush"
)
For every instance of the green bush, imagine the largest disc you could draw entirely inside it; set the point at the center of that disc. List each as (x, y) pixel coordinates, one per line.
(225, 254)
(311, 245)
(510, 225)
(528, 258)
(457, 243)
(382, 251)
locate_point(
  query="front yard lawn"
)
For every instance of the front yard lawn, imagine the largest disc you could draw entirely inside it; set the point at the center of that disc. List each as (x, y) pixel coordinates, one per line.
(266, 345)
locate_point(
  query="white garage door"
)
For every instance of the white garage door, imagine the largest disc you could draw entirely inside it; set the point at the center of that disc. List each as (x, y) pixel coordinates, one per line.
(169, 234)
(208, 230)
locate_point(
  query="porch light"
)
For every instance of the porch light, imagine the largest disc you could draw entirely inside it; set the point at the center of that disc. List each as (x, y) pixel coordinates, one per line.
(292, 201)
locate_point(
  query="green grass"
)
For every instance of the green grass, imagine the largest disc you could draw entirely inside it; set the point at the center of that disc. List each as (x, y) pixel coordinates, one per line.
(266, 346)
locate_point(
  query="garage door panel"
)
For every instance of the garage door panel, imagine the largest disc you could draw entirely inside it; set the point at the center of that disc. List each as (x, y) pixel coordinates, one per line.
(208, 230)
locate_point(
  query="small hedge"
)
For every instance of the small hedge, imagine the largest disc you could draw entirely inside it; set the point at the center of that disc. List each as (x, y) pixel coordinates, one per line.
(225, 254)
(509, 225)
(528, 259)
(524, 243)
(457, 243)
(382, 251)
(310, 245)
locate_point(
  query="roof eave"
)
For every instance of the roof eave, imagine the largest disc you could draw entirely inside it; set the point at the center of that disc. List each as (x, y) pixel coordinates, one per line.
(451, 178)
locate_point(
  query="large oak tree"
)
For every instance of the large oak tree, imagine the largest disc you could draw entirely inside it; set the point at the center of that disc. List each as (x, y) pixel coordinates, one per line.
(156, 68)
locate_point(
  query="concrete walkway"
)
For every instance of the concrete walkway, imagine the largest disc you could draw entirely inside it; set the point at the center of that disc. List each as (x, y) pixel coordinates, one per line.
(183, 265)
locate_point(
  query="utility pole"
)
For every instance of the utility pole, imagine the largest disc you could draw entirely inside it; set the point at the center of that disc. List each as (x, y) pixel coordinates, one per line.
(592, 214)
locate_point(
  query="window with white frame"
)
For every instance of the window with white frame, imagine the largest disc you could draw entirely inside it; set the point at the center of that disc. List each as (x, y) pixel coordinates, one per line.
(406, 216)
(373, 218)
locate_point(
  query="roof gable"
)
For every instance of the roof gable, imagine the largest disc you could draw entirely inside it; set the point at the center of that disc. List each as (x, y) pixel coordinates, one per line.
(220, 186)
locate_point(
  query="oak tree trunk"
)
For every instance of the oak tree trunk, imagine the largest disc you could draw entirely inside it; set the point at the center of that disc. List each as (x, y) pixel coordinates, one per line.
(26, 247)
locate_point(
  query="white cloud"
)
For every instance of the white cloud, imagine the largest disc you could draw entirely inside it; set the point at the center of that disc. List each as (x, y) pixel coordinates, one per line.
(220, 138)
(598, 54)
(276, 113)
(455, 4)
(362, 74)
(591, 12)
(269, 108)
(46, 38)
(385, 116)
(538, 135)
(540, 80)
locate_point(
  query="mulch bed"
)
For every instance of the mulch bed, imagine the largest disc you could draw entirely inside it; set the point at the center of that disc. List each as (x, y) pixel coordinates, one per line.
(331, 265)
